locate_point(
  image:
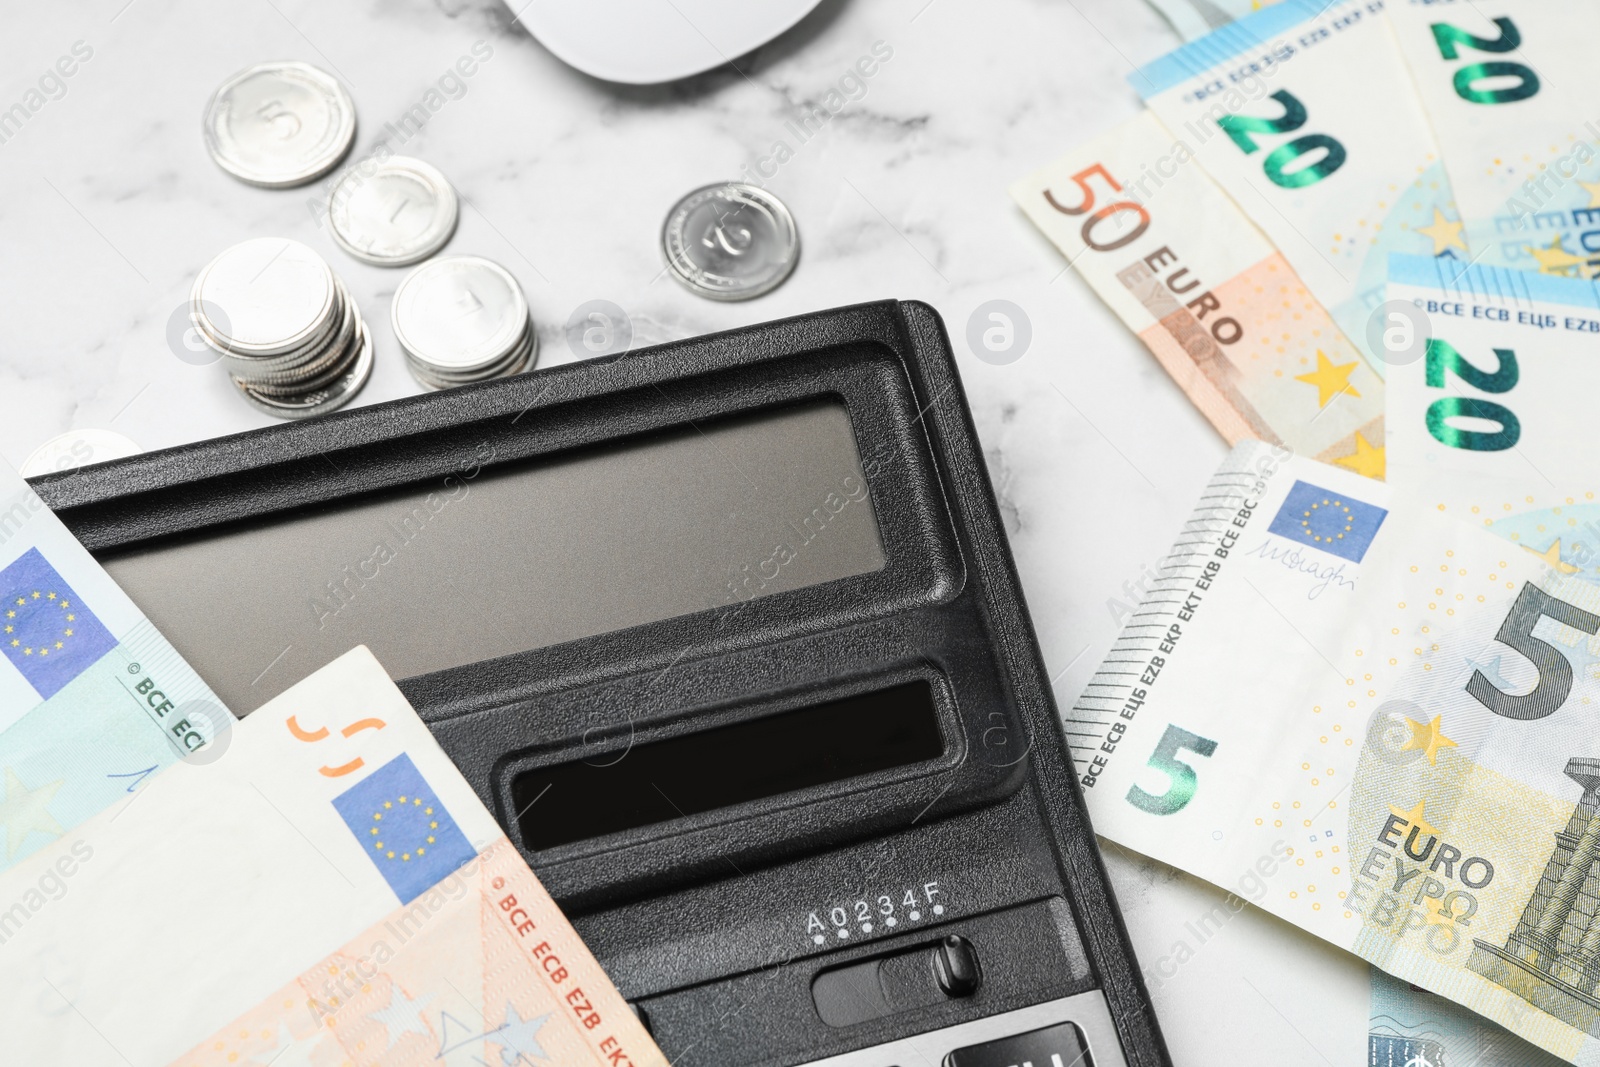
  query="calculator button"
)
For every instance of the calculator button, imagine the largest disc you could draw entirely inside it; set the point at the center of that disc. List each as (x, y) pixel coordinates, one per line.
(1060, 1045)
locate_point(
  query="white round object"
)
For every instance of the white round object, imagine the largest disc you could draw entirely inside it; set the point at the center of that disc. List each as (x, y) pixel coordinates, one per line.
(78, 448)
(279, 124)
(401, 211)
(641, 42)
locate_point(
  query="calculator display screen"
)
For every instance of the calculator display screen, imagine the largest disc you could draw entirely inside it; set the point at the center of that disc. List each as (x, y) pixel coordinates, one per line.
(516, 556)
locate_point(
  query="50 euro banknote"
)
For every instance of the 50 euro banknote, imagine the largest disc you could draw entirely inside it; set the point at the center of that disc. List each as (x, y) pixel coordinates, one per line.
(1399, 703)
(1218, 306)
(326, 889)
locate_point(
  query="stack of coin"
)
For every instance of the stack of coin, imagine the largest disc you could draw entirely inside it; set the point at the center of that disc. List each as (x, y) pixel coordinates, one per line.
(463, 319)
(287, 330)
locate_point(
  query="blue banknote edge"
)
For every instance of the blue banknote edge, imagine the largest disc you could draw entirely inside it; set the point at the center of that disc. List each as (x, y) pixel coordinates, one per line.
(1195, 58)
(1494, 283)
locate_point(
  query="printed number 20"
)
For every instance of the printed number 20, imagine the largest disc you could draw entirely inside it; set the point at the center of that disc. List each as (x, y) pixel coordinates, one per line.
(1451, 39)
(1180, 776)
(1240, 127)
(1442, 358)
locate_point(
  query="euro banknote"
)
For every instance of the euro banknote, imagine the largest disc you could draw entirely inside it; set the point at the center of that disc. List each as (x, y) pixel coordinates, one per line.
(93, 700)
(1216, 304)
(1203, 949)
(1304, 113)
(1507, 87)
(329, 890)
(1489, 417)
(1387, 707)
(1196, 18)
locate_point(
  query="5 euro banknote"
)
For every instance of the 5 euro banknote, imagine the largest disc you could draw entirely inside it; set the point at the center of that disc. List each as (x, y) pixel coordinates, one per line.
(1396, 708)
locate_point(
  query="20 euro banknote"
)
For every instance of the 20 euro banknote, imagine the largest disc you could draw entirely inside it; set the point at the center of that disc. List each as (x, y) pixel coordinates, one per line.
(1397, 702)
(93, 700)
(1196, 18)
(1489, 414)
(1507, 86)
(329, 890)
(1216, 304)
(1304, 113)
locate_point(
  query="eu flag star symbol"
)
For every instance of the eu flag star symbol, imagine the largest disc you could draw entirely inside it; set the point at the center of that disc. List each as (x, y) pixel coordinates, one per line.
(1332, 522)
(404, 829)
(45, 631)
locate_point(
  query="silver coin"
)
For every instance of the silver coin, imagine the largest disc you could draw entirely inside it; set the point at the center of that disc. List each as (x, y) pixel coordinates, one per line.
(320, 401)
(521, 358)
(278, 295)
(400, 211)
(731, 241)
(279, 124)
(77, 448)
(460, 313)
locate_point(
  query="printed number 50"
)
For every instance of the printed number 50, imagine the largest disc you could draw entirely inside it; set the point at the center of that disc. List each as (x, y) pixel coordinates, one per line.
(1180, 776)
(1081, 180)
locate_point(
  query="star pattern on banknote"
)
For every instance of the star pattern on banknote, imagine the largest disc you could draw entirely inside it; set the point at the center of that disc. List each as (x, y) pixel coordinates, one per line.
(1367, 460)
(1593, 189)
(402, 1016)
(1414, 817)
(1556, 259)
(518, 1037)
(1444, 233)
(1552, 557)
(1491, 671)
(1330, 378)
(1583, 660)
(25, 811)
(1429, 737)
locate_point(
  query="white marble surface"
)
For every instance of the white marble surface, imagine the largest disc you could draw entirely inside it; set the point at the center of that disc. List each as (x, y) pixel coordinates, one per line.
(109, 206)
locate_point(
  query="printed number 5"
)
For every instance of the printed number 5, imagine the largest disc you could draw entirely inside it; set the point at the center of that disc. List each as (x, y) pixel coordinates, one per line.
(1555, 671)
(1179, 774)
